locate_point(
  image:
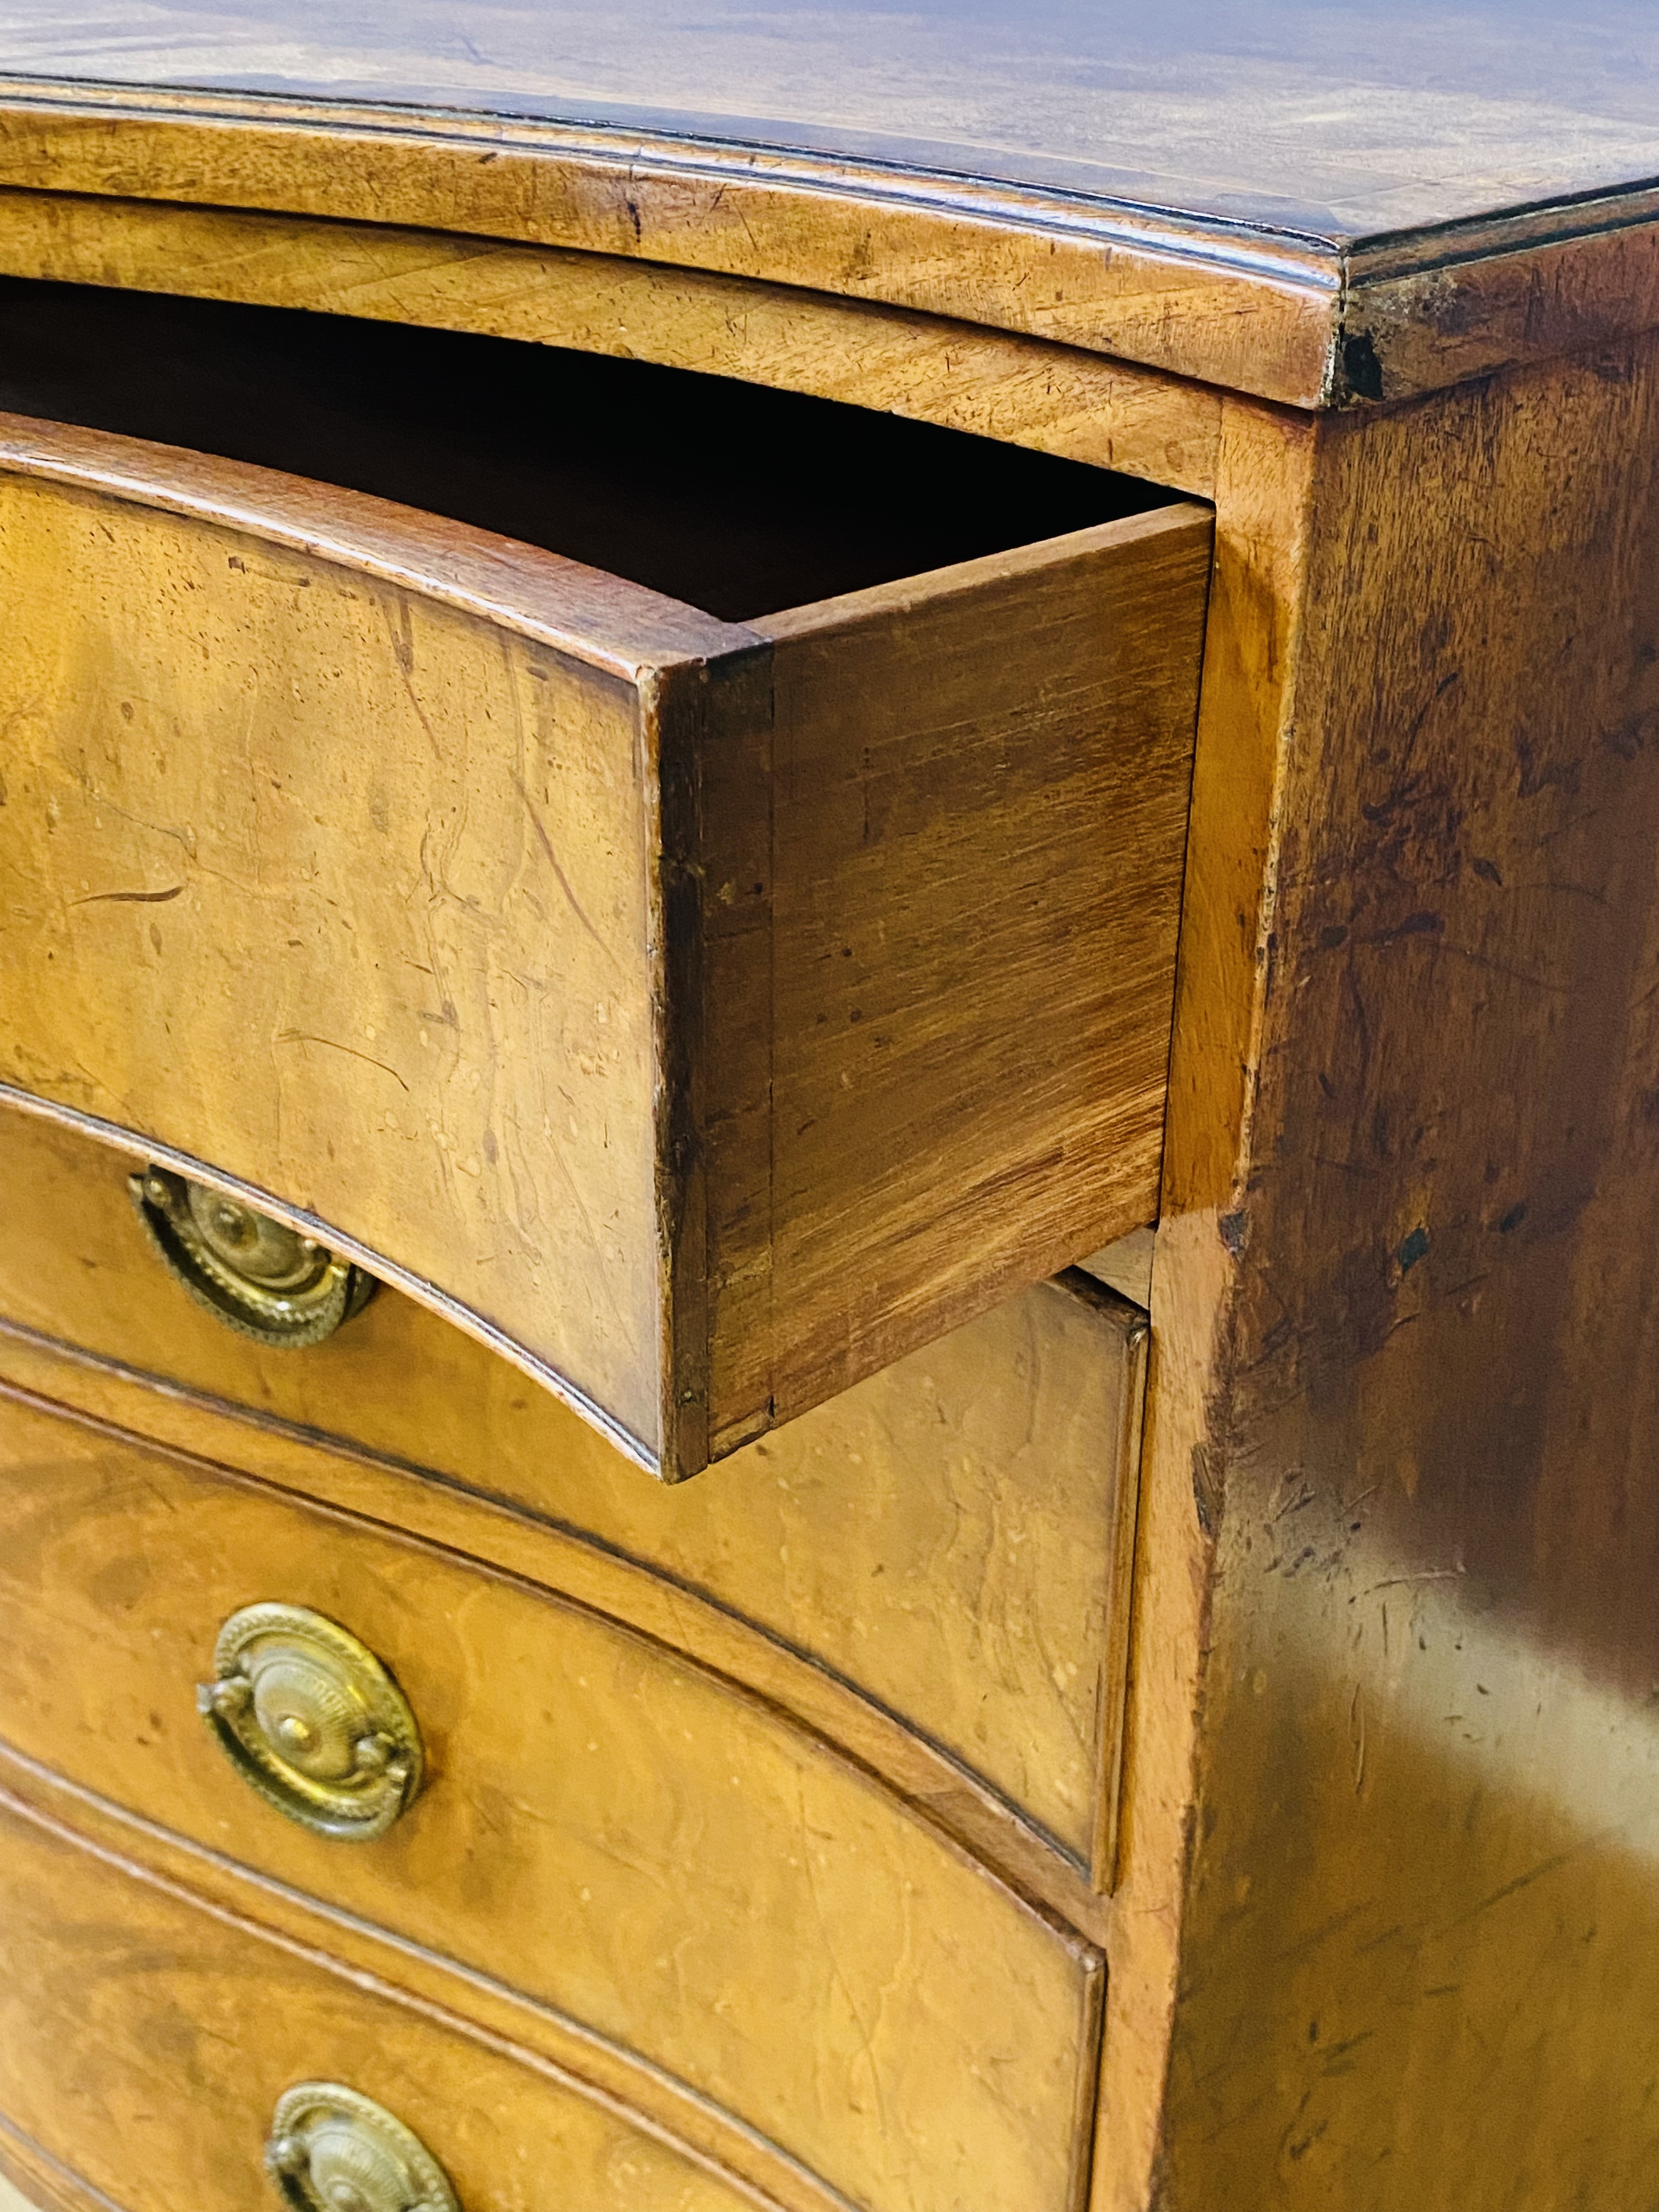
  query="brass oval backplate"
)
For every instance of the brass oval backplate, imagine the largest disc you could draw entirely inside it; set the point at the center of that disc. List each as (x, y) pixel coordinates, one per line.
(332, 2150)
(310, 1716)
(257, 1275)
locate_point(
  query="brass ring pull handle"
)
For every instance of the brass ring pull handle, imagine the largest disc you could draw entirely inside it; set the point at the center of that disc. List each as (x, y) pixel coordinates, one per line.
(258, 1275)
(332, 2150)
(310, 1716)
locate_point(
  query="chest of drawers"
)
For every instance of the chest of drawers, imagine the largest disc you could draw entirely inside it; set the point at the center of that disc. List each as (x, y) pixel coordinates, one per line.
(827, 1067)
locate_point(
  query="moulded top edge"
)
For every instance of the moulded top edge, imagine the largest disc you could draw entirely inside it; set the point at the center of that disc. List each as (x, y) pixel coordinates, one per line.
(1233, 194)
(1328, 121)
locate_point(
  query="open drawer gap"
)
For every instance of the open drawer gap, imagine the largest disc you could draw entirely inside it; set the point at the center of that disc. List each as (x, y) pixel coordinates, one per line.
(731, 497)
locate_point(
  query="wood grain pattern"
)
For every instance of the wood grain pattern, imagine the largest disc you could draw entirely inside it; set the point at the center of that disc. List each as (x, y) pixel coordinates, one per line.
(1334, 123)
(1431, 1614)
(1265, 487)
(943, 1536)
(897, 738)
(606, 1827)
(1383, 1929)
(1001, 1834)
(1418, 323)
(580, 862)
(1400, 1427)
(1119, 285)
(649, 2101)
(1054, 399)
(1323, 310)
(144, 2040)
(736, 500)
(189, 760)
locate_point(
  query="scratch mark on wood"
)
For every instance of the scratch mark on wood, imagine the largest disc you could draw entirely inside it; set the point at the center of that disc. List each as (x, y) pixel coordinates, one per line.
(128, 898)
(1521, 1881)
(1430, 1575)
(565, 885)
(1357, 1730)
(304, 1037)
(401, 634)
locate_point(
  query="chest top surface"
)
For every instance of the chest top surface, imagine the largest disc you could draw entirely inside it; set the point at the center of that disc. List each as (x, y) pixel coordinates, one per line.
(1317, 204)
(1334, 123)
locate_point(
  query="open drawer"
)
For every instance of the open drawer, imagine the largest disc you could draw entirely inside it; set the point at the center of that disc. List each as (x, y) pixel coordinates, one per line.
(704, 1008)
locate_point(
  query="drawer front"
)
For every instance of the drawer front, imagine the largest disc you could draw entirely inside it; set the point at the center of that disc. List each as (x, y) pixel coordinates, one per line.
(144, 2043)
(952, 1535)
(319, 879)
(604, 1826)
(671, 1003)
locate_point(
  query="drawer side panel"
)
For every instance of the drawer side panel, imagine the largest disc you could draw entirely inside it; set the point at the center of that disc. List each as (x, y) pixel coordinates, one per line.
(980, 826)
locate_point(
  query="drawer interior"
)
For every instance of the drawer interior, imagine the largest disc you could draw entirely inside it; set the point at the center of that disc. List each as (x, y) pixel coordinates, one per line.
(733, 498)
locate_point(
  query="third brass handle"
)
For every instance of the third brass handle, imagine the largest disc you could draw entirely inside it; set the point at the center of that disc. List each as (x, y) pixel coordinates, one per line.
(333, 2150)
(312, 1719)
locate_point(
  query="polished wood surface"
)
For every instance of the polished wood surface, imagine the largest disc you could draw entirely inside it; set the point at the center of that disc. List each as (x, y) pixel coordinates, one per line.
(1054, 399)
(1380, 1935)
(736, 500)
(1098, 284)
(1253, 118)
(772, 1054)
(188, 623)
(1264, 489)
(144, 2040)
(1331, 203)
(1433, 1486)
(604, 1828)
(1054, 700)
(128, 1410)
(1398, 1412)
(951, 1538)
(555, 2047)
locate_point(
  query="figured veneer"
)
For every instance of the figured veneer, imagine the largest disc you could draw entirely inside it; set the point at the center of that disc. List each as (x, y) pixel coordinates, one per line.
(605, 1826)
(1396, 284)
(1031, 393)
(932, 1569)
(146, 2037)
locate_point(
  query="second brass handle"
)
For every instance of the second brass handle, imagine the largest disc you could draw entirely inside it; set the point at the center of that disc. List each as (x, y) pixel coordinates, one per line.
(310, 1718)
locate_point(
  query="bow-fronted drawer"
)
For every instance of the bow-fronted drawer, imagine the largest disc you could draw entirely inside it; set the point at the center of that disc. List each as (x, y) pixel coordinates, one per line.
(705, 1013)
